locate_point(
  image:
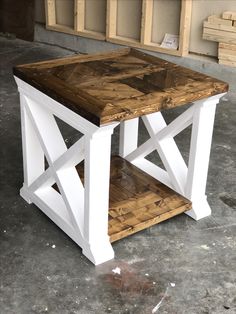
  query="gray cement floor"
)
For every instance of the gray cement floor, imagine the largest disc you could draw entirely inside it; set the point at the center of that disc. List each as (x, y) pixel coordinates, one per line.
(179, 266)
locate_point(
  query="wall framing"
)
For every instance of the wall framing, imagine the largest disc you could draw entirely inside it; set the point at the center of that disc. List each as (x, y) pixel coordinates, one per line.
(79, 21)
(112, 19)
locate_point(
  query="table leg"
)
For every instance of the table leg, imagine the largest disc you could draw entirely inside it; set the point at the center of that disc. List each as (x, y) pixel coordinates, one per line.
(33, 155)
(202, 129)
(128, 136)
(97, 246)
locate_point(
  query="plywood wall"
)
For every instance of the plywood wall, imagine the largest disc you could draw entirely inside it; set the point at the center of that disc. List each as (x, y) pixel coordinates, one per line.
(95, 15)
(129, 18)
(65, 12)
(167, 14)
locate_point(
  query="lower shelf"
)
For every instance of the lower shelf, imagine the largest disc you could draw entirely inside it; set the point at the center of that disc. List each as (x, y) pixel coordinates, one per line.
(138, 201)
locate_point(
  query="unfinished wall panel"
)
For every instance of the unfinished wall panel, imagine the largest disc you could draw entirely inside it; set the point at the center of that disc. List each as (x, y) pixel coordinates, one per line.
(65, 12)
(95, 15)
(165, 19)
(143, 24)
(135, 23)
(129, 14)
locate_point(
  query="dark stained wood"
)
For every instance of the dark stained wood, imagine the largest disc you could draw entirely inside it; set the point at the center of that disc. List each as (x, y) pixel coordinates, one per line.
(118, 85)
(137, 201)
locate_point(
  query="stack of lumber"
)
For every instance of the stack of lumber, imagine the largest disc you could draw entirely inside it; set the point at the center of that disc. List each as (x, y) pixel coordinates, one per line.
(223, 30)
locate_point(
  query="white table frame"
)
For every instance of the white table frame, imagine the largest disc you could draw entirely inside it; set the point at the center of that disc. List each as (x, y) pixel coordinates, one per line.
(81, 211)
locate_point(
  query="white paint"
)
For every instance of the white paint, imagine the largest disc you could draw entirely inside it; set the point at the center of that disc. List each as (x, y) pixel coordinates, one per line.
(155, 309)
(128, 136)
(172, 284)
(116, 270)
(205, 247)
(135, 260)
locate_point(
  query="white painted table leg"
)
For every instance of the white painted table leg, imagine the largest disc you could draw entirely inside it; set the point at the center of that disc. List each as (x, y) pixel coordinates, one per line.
(97, 246)
(128, 136)
(33, 156)
(203, 121)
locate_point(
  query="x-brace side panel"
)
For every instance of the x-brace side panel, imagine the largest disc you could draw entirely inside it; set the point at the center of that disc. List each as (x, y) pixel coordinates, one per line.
(189, 181)
(80, 210)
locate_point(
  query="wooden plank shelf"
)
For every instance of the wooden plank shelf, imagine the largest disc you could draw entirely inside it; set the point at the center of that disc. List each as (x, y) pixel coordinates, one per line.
(137, 201)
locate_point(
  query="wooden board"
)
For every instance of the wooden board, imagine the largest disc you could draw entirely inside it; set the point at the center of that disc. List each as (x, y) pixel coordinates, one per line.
(227, 46)
(227, 62)
(227, 52)
(229, 15)
(214, 19)
(137, 201)
(222, 27)
(118, 85)
(219, 35)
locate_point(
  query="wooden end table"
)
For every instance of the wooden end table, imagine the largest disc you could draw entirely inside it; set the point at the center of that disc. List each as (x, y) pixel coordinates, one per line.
(94, 94)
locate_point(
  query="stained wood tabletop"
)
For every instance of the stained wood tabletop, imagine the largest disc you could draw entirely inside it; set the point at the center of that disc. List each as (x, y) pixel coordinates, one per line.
(118, 85)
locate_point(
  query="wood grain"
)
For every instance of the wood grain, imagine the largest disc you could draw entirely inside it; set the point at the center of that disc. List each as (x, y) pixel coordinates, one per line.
(137, 201)
(118, 85)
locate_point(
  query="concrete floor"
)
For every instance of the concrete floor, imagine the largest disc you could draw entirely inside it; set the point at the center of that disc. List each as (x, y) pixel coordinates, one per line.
(179, 266)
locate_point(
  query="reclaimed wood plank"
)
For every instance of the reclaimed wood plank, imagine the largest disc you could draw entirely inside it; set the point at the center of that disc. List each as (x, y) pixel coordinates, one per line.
(48, 64)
